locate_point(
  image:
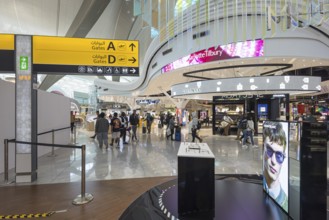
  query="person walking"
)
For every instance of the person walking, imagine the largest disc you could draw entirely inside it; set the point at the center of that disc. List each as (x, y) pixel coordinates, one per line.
(134, 121)
(149, 121)
(72, 121)
(124, 126)
(229, 121)
(242, 125)
(101, 130)
(249, 132)
(162, 118)
(116, 125)
(97, 115)
(195, 122)
(170, 128)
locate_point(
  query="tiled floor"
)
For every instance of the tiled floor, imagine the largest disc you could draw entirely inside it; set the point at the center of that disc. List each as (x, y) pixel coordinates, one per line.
(153, 155)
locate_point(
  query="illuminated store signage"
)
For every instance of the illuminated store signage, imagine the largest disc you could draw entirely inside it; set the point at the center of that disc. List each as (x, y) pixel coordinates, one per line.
(265, 84)
(7, 53)
(86, 56)
(235, 50)
(147, 102)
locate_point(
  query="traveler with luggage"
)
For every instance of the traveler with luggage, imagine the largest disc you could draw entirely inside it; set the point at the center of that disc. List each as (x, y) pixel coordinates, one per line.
(195, 126)
(134, 120)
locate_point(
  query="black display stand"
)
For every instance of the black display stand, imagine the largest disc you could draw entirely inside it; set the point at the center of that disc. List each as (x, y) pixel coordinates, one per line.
(313, 168)
(196, 181)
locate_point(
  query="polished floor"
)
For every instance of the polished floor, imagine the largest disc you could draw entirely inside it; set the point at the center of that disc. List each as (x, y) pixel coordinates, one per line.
(153, 155)
(135, 167)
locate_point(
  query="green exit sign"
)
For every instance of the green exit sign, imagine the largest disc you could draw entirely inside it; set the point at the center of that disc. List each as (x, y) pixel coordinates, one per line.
(23, 63)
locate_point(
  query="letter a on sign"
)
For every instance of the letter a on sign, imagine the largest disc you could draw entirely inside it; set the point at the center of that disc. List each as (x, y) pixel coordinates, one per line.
(111, 46)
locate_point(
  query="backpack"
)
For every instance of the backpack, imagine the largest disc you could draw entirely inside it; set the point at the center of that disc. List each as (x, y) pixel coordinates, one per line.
(116, 123)
(198, 127)
(243, 124)
(124, 121)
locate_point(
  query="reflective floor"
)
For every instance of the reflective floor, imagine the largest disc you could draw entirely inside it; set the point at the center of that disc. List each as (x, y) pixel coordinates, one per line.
(153, 155)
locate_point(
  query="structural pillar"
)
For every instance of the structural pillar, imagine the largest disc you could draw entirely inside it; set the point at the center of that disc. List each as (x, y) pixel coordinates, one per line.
(26, 112)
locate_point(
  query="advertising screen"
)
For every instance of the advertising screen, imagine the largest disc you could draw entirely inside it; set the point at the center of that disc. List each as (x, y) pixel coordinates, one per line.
(294, 140)
(244, 49)
(275, 161)
(324, 110)
(262, 108)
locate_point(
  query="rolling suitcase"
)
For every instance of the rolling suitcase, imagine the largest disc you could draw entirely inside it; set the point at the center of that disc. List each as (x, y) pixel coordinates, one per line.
(177, 136)
(144, 130)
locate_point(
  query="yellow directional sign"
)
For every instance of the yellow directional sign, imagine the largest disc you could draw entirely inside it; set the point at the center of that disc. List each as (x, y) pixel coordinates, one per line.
(7, 42)
(88, 52)
(7, 53)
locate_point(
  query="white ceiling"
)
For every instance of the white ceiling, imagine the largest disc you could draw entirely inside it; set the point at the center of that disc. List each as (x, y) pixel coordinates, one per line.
(38, 17)
(58, 17)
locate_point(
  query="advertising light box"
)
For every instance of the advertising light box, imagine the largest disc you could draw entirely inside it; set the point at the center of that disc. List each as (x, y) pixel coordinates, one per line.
(244, 49)
(275, 161)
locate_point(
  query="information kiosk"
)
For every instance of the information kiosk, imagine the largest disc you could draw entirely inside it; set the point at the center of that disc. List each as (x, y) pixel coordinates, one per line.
(196, 180)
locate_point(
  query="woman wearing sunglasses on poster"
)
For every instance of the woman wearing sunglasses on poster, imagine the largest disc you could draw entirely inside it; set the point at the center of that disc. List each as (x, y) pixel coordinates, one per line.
(275, 144)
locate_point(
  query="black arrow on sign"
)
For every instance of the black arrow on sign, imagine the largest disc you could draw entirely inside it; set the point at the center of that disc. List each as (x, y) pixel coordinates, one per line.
(132, 45)
(133, 60)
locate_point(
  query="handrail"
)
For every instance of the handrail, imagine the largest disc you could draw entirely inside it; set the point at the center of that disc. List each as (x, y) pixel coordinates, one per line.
(53, 137)
(45, 144)
(59, 129)
(81, 199)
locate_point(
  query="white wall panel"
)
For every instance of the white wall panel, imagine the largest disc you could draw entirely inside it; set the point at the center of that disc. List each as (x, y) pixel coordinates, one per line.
(7, 121)
(53, 113)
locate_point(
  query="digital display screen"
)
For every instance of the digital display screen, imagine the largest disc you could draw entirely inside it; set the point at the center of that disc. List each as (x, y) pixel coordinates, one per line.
(262, 108)
(294, 140)
(244, 49)
(275, 161)
(324, 110)
(147, 102)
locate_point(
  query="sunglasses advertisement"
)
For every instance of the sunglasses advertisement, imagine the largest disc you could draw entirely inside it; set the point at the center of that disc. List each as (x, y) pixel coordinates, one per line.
(275, 161)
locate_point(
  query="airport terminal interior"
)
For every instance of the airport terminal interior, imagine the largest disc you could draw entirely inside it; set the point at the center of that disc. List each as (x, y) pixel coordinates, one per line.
(219, 102)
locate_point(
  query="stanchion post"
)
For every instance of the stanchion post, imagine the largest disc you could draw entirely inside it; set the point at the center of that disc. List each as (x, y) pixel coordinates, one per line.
(75, 134)
(6, 160)
(53, 142)
(84, 197)
(83, 171)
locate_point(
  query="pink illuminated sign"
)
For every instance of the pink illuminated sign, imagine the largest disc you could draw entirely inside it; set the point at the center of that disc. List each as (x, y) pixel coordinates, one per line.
(235, 50)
